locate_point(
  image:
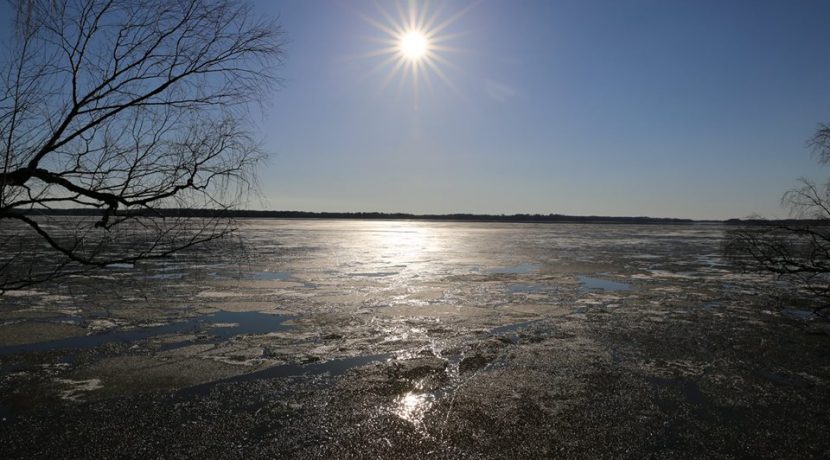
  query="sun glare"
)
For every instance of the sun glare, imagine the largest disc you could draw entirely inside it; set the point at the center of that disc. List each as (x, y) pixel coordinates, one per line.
(414, 45)
(414, 42)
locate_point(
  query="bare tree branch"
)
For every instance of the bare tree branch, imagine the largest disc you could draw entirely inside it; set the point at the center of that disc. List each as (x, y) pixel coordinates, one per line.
(126, 106)
(798, 251)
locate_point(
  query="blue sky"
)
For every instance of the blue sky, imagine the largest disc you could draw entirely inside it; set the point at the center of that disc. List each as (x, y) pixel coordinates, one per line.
(664, 108)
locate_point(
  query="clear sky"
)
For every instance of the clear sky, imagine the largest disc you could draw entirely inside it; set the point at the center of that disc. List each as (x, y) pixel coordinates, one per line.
(665, 108)
(646, 107)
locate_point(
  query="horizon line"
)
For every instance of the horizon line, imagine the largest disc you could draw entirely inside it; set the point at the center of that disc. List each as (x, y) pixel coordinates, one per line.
(379, 215)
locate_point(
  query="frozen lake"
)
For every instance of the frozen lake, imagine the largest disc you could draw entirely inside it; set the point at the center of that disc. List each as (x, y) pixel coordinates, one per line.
(415, 327)
(468, 275)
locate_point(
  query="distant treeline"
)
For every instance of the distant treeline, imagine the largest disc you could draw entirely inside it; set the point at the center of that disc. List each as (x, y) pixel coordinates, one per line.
(458, 217)
(239, 213)
(779, 222)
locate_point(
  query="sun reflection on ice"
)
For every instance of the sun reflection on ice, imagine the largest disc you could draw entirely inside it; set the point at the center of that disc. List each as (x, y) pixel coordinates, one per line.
(395, 253)
(412, 406)
(403, 242)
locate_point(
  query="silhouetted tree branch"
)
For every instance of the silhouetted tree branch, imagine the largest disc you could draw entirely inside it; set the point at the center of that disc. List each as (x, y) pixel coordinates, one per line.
(125, 105)
(796, 252)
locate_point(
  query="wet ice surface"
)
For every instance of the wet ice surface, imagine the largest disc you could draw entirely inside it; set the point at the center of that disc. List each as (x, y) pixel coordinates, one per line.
(217, 326)
(590, 282)
(518, 269)
(396, 338)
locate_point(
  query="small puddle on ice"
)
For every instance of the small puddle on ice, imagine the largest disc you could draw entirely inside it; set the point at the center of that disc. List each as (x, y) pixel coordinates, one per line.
(510, 332)
(519, 269)
(510, 328)
(589, 282)
(221, 325)
(799, 314)
(121, 266)
(270, 276)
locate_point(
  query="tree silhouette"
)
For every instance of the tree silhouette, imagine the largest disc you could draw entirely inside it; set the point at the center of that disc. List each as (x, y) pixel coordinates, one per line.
(130, 107)
(798, 250)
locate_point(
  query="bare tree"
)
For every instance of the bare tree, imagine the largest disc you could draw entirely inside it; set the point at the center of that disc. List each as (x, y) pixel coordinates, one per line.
(797, 250)
(130, 107)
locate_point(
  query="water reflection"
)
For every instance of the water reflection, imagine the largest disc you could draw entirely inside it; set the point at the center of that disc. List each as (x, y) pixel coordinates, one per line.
(397, 250)
(589, 282)
(412, 406)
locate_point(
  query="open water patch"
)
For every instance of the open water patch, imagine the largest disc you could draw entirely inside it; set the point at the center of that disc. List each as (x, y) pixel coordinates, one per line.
(591, 283)
(800, 314)
(711, 306)
(221, 326)
(519, 269)
(270, 276)
(120, 266)
(65, 319)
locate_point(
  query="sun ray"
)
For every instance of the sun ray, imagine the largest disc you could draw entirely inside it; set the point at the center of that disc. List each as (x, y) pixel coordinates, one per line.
(440, 38)
(403, 20)
(444, 61)
(398, 66)
(427, 78)
(385, 64)
(443, 76)
(413, 16)
(391, 21)
(429, 23)
(415, 72)
(421, 22)
(455, 17)
(447, 49)
(387, 29)
(389, 50)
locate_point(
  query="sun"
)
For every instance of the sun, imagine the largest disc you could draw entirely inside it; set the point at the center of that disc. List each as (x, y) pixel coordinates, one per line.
(414, 45)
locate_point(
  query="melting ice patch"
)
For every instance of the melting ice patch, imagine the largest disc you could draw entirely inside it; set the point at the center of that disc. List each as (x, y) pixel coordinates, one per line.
(78, 387)
(589, 282)
(519, 269)
(221, 325)
(270, 276)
